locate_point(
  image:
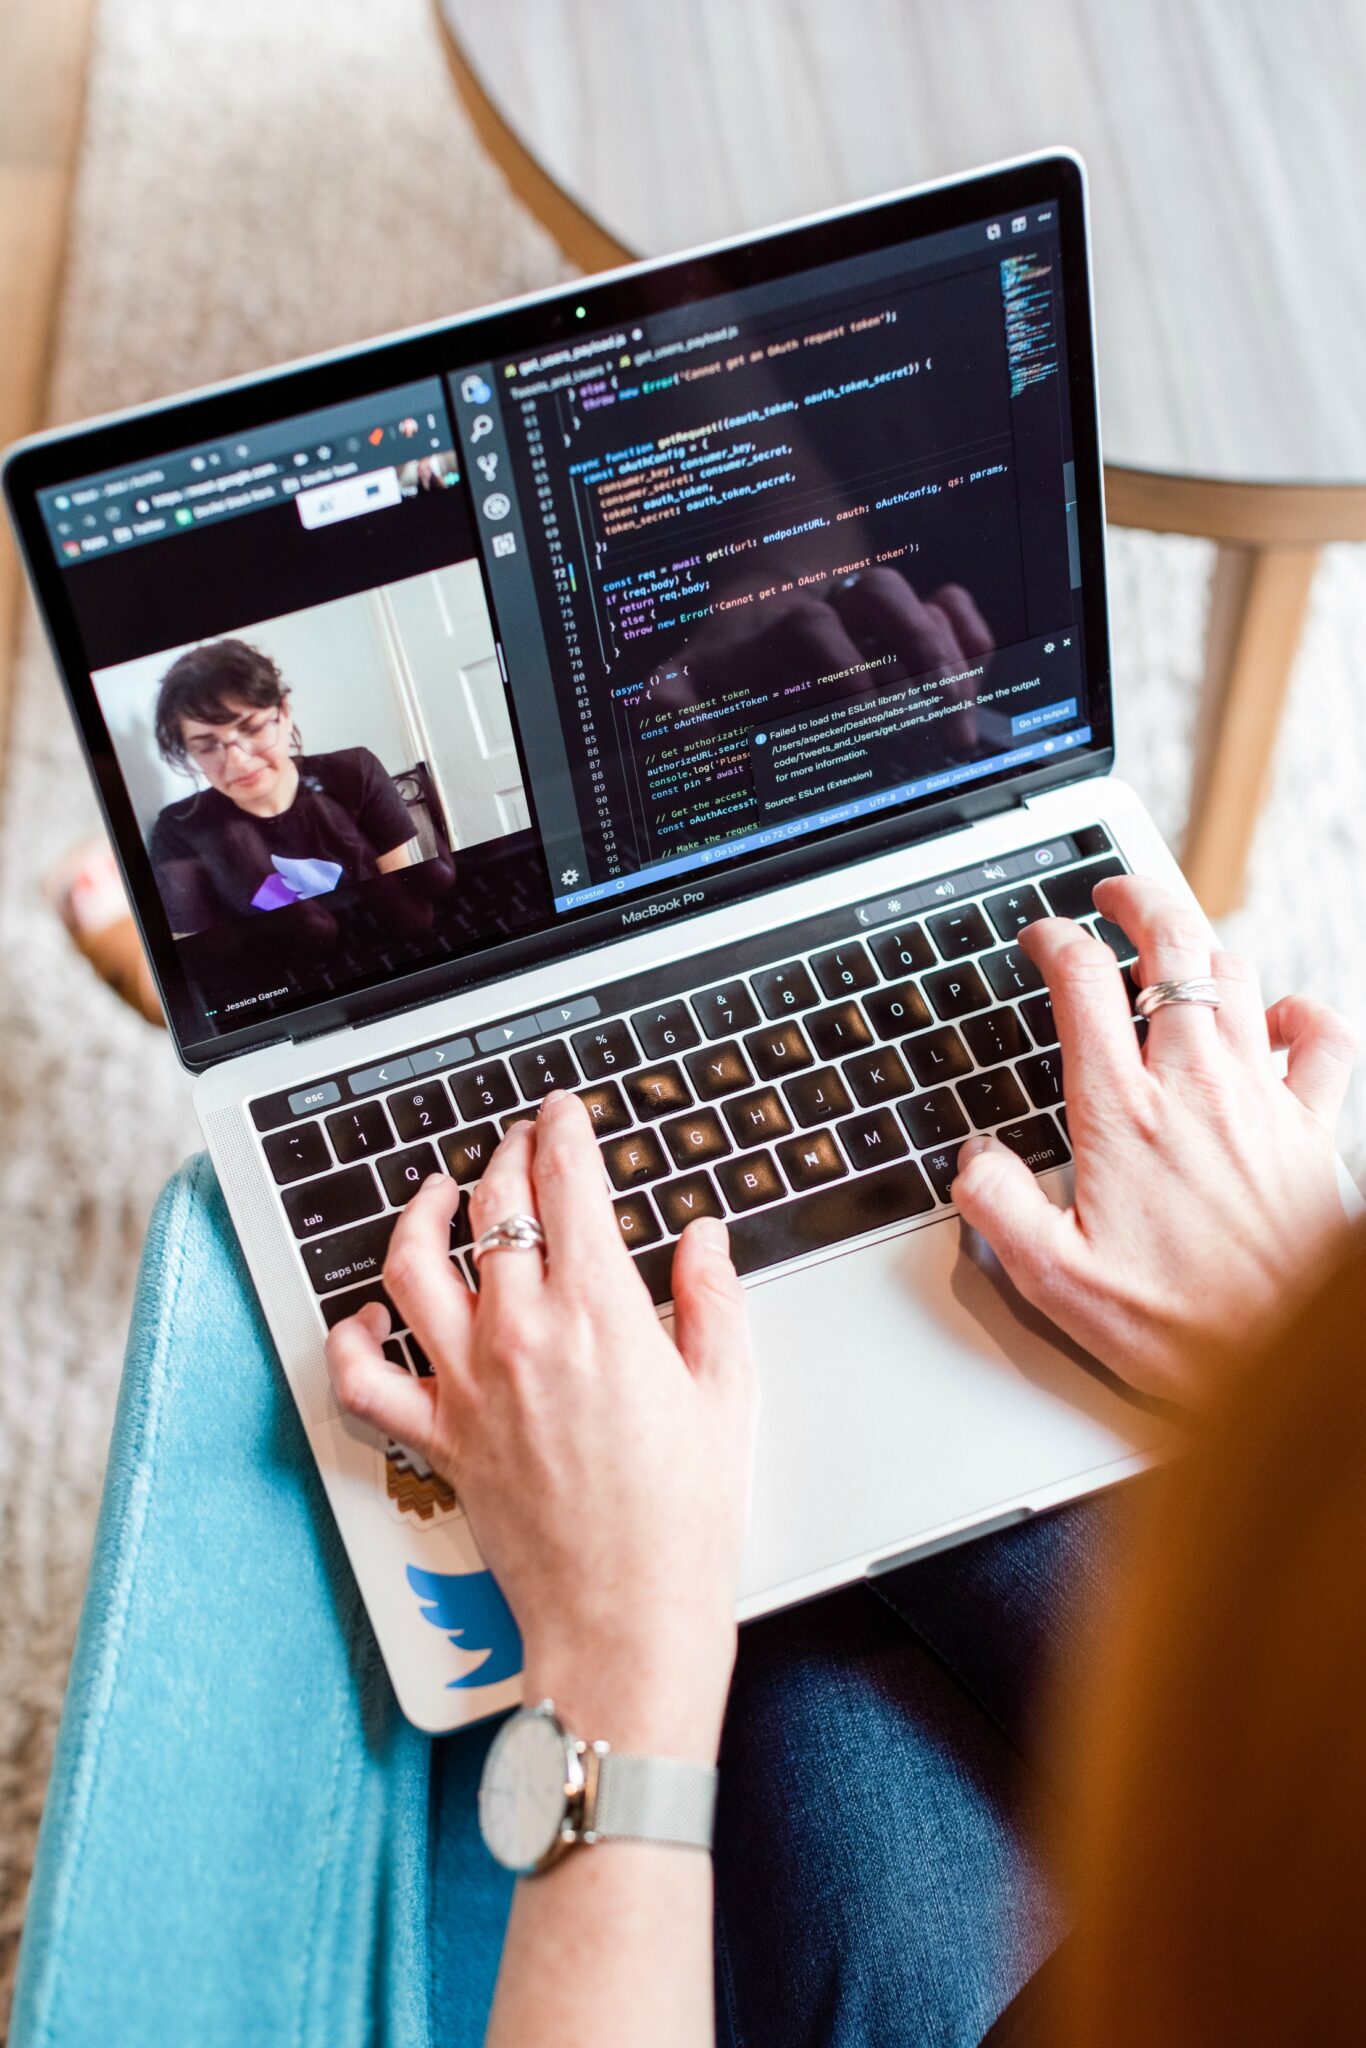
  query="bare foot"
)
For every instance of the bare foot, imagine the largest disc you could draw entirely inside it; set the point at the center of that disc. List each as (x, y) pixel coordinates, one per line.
(87, 894)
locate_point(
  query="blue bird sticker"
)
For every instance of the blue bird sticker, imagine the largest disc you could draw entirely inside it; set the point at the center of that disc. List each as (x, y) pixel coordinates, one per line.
(470, 1610)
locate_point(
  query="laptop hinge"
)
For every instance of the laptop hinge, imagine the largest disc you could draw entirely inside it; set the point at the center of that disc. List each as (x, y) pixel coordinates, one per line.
(330, 1030)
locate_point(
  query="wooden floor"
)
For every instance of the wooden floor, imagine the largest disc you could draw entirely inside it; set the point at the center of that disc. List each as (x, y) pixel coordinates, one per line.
(43, 46)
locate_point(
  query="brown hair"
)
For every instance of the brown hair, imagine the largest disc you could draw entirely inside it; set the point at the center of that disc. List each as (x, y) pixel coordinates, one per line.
(199, 684)
(1216, 1848)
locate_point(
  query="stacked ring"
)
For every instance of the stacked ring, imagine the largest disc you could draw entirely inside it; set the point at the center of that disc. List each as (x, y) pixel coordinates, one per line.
(513, 1234)
(1200, 989)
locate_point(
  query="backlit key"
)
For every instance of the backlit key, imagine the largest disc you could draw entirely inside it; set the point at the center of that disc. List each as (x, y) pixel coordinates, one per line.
(840, 1029)
(681, 1202)
(1014, 908)
(404, 1172)
(935, 1056)
(658, 1091)
(358, 1133)
(635, 1158)
(606, 1049)
(999, 1035)
(956, 991)
(906, 951)
(990, 1097)
(723, 1010)
(606, 1108)
(818, 1097)
(695, 1139)
(872, 1140)
(421, 1112)
(934, 1119)
(296, 1152)
(336, 1199)
(636, 1220)
(1011, 973)
(758, 1118)
(778, 1049)
(811, 1161)
(783, 989)
(666, 1029)
(719, 1070)
(877, 1076)
(543, 1068)
(893, 1012)
(844, 970)
(750, 1181)
(468, 1152)
(484, 1091)
(959, 932)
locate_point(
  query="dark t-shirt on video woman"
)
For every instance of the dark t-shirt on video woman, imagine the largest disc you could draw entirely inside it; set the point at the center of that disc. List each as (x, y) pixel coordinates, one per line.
(216, 862)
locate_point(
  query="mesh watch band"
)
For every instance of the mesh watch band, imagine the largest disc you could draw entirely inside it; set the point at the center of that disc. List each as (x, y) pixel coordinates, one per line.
(654, 1799)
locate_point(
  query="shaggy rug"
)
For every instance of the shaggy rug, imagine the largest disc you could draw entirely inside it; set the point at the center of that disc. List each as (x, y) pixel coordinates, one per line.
(258, 182)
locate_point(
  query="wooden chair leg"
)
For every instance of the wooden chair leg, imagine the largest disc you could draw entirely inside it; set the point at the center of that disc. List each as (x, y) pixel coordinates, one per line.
(1258, 600)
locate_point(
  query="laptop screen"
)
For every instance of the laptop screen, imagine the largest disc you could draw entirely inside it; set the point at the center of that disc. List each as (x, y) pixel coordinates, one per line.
(617, 605)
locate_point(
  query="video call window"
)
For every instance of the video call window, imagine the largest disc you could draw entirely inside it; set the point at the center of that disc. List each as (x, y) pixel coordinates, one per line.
(299, 755)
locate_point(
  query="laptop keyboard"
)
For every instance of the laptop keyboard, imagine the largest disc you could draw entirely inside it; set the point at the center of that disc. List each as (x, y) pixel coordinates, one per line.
(809, 1084)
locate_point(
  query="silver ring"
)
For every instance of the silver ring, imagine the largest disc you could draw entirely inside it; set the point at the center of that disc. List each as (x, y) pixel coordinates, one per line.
(513, 1234)
(1202, 990)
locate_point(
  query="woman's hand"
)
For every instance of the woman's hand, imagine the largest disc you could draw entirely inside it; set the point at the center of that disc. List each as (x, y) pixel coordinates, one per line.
(1204, 1181)
(604, 1465)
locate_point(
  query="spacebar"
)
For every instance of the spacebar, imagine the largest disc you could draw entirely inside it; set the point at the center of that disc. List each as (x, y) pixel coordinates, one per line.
(864, 1202)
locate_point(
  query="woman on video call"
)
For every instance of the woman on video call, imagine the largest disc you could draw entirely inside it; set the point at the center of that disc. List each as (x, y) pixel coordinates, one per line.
(275, 825)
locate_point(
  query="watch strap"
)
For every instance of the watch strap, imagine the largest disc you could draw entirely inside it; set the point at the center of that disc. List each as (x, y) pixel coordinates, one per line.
(654, 1799)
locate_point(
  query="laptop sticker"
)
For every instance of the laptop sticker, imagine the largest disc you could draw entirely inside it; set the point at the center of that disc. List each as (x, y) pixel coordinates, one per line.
(412, 1488)
(471, 1611)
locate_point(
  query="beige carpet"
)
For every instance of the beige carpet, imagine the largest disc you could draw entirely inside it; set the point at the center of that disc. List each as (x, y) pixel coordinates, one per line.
(260, 180)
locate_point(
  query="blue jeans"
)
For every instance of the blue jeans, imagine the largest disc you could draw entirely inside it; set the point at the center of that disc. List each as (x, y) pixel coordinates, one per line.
(881, 1760)
(245, 1843)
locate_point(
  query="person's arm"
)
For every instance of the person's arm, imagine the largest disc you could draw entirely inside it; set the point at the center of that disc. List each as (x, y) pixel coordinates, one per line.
(605, 1470)
(404, 856)
(185, 889)
(1205, 1182)
(378, 809)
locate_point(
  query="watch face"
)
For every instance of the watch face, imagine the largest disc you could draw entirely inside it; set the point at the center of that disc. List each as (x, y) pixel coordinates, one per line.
(523, 1793)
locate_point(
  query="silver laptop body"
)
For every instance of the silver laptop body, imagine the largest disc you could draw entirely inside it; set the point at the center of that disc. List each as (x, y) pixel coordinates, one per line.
(696, 481)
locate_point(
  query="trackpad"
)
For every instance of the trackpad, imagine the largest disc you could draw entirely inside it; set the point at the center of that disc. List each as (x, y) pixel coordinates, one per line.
(905, 1386)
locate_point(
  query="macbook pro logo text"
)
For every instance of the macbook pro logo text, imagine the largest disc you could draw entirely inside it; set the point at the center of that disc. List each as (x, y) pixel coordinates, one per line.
(684, 900)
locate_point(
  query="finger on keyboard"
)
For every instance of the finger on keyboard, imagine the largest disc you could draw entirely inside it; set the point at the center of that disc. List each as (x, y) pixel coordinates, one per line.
(432, 1300)
(1090, 1012)
(571, 1193)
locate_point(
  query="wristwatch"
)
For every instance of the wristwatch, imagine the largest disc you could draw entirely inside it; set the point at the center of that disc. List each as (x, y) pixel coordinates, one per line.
(543, 1792)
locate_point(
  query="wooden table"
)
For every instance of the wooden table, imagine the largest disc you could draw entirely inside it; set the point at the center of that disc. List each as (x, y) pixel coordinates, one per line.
(1226, 146)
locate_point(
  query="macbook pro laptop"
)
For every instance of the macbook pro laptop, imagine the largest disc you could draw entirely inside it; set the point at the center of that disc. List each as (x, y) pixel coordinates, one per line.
(682, 687)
